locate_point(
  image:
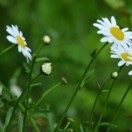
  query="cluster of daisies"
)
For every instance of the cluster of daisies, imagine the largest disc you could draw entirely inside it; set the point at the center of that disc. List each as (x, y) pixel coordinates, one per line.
(121, 40)
(16, 37)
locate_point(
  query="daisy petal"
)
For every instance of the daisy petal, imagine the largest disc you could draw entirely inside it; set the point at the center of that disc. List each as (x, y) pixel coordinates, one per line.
(11, 39)
(121, 63)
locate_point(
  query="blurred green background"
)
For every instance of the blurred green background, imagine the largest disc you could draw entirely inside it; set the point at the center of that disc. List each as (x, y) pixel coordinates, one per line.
(69, 23)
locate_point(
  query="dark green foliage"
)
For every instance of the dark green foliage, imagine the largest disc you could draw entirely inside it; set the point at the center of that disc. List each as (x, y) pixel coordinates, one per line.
(69, 23)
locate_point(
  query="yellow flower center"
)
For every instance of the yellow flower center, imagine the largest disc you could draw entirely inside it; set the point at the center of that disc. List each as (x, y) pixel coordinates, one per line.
(117, 33)
(20, 41)
(126, 56)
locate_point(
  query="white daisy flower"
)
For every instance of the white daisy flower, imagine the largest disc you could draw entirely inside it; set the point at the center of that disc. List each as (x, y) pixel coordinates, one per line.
(16, 37)
(112, 33)
(124, 54)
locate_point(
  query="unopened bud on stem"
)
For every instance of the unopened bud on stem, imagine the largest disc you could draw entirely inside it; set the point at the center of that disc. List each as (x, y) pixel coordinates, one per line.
(46, 68)
(46, 39)
(114, 75)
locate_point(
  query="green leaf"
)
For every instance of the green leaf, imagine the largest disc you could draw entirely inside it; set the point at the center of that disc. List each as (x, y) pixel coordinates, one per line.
(36, 84)
(107, 124)
(36, 128)
(7, 120)
(5, 92)
(1, 104)
(20, 121)
(42, 59)
(81, 128)
(27, 69)
(88, 75)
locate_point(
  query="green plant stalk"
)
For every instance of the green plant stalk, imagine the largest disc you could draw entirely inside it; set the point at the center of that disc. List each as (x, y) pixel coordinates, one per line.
(36, 128)
(30, 80)
(106, 101)
(67, 125)
(46, 93)
(119, 106)
(78, 87)
(28, 92)
(96, 99)
(24, 91)
(15, 107)
(37, 76)
(38, 51)
(7, 49)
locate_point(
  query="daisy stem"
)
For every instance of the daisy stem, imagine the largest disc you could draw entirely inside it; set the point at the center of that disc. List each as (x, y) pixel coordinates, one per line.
(39, 49)
(28, 87)
(78, 86)
(28, 92)
(96, 99)
(36, 128)
(15, 107)
(36, 77)
(119, 106)
(106, 101)
(7, 49)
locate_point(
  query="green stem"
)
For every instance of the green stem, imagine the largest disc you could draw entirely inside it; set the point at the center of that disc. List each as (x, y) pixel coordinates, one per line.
(78, 86)
(29, 83)
(38, 51)
(36, 77)
(28, 92)
(7, 49)
(106, 102)
(36, 128)
(119, 106)
(46, 93)
(26, 88)
(96, 99)
(15, 107)
(17, 103)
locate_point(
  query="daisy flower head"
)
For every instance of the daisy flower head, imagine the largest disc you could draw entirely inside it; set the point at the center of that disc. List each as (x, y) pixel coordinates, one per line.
(122, 53)
(16, 37)
(112, 32)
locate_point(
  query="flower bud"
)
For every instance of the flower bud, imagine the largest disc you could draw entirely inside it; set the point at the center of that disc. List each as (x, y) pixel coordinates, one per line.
(46, 68)
(64, 80)
(114, 75)
(46, 39)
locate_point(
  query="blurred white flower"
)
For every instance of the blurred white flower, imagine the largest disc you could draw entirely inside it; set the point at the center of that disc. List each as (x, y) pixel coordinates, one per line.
(16, 37)
(46, 68)
(112, 33)
(14, 88)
